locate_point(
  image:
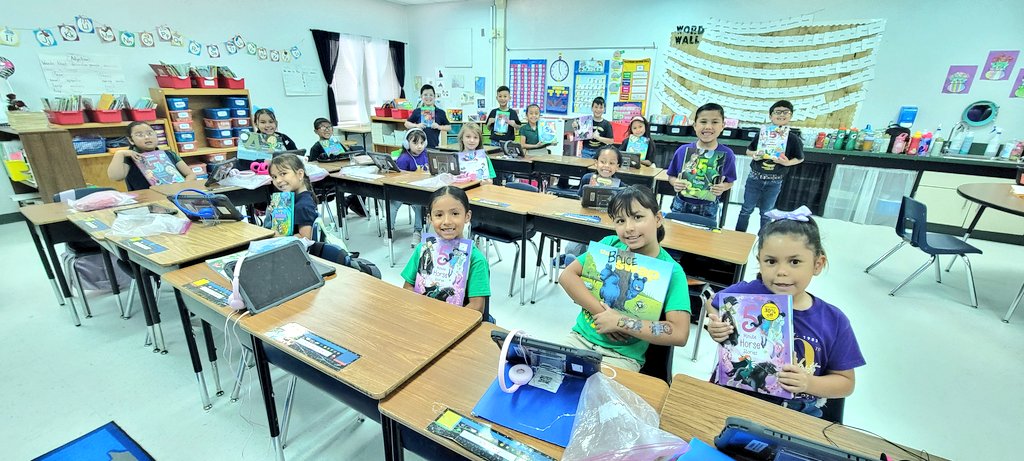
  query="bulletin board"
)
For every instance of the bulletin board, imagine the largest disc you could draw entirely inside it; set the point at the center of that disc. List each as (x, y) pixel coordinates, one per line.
(590, 80)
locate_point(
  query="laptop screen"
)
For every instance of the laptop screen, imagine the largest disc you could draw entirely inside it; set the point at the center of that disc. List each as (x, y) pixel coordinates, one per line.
(273, 277)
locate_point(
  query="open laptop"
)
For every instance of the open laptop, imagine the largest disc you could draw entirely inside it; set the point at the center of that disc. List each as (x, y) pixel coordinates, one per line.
(384, 162)
(216, 207)
(597, 197)
(270, 278)
(442, 162)
(745, 440)
(512, 149)
(535, 352)
(216, 171)
(630, 160)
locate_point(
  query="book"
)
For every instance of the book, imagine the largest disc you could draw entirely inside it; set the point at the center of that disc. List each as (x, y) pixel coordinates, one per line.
(701, 172)
(501, 121)
(258, 146)
(761, 344)
(281, 212)
(157, 168)
(637, 144)
(332, 146)
(427, 116)
(443, 269)
(547, 130)
(626, 281)
(772, 140)
(219, 265)
(585, 127)
(475, 161)
(597, 180)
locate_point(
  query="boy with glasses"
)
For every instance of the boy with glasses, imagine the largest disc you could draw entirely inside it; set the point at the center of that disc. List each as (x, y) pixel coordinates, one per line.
(766, 173)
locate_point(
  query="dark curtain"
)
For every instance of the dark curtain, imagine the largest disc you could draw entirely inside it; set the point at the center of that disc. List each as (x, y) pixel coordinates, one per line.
(398, 59)
(327, 50)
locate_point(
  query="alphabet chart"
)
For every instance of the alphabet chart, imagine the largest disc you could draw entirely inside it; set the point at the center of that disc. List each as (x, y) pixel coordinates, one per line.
(526, 79)
(591, 78)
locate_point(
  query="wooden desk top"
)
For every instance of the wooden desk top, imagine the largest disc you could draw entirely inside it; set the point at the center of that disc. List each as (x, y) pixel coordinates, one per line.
(696, 408)
(519, 201)
(553, 208)
(50, 213)
(406, 178)
(199, 184)
(395, 331)
(182, 277)
(998, 196)
(333, 167)
(564, 160)
(727, 245)
(459, 377)
(199, 242)
(646, 171)
(107, 216)
(662, 175)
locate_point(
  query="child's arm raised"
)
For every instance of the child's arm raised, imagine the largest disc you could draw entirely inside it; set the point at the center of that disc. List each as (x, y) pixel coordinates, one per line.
(673, 331)
(118, 169)
(834, 384)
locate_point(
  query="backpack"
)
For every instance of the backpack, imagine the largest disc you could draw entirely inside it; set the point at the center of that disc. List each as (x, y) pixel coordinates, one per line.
(339, 255)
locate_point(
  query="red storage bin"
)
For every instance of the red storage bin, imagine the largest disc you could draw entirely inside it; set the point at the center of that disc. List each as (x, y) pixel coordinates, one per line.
(182, 125)
(190, 146)
(65, 117)
(219, 124)
(180, 115)
(620, 130)
(142, 115)
(382, 111)
(200, 82)
(169, 81)
(106, 116)
(239, 122)
(221, 142)
(232, 83)
(401, 113)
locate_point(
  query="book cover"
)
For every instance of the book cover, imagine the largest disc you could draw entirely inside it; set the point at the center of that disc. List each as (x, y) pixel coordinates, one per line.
(475, 161)
(501, 121)
(427, 116)
(626, 281)
(258, 146)
(332, 146)
(157, 168)
(637, 144)
(281, 211)
(597, 180)
(772, 140)
(701, 172)
(762, 343)
(547, 130)
(219, 264)
(443, 269)
(585, 127)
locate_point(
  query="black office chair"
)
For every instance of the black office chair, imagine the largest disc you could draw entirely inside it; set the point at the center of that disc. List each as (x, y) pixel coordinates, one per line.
(912, 228)
(504, 229)
(833, 410)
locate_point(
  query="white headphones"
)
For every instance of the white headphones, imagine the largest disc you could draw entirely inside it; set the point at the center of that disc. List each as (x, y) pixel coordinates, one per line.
(405, 143)
(520, 374)
(235, 300)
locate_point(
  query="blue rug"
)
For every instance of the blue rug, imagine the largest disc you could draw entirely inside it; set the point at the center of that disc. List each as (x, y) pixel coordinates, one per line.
(106, 443)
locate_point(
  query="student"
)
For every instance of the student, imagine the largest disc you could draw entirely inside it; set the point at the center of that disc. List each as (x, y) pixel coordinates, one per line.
(715, 166)
(789, 252)
(469, 140)
(622, 337)
(513, 118)
(266, 123)
(433, 124)
(765, 180)
(530, 131)
(324, 129)
(608, 161)
(413, 158)
(142, 139)
(449, 213)
(638, 126)
(602, 131)
(288, 174)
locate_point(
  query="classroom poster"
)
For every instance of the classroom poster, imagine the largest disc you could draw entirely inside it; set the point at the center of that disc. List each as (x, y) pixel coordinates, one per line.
(1018, 87)
(557, 101)
(615, 77)
(999, 65)
(636, 74)
(591, 81)
(526, 78)
(479, 85)
(626, 110)
(959, 79)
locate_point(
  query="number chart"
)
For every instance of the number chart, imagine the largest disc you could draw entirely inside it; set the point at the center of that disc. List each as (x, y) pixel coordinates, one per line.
(526, 79)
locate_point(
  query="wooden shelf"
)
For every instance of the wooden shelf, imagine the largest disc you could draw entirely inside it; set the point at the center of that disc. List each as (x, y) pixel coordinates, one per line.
(202, 91)
(199, 151)
(85, 126)
(402, 120)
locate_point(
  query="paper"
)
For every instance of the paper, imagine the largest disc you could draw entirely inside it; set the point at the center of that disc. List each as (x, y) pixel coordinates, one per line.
(1017, 91)
(591, 81)
(959, 79)
(546, 379)
(479, 85)
(557, 101)
(999, 65)
(302, 81)
(69, 74)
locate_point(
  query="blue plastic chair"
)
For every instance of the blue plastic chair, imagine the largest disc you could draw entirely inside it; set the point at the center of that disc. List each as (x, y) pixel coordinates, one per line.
(912, 228)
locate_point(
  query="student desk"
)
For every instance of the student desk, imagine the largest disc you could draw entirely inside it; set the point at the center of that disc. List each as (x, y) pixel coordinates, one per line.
(663, 188)
(395, 331)
(488, 149)
(696, 408)
(522, 166)
(51, 221)
(361, 130)
(400, 188)
(500, 207)
(457, 380)
(641, 176)
(561, 165)
(238, 196)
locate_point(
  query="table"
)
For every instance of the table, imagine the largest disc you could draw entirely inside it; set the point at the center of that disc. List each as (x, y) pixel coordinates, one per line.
(456, 380)
(238, 196)
(561, 165)
(361, 130)
(399, 187)
(1000, 197)
(502, 207)
(696, 408)
(362, 186)
(641, 176)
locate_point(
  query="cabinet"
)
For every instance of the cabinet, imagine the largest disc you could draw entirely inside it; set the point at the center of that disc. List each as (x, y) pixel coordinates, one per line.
(198, 99)
(94, 166)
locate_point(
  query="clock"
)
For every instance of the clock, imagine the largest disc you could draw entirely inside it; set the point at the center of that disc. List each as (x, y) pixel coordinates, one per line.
(559, 70)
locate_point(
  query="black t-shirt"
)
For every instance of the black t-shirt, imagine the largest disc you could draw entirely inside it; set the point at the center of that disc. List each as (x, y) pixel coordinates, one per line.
(603, 129)
(287, 141)
(433, 134)
(510, 134)
(794, 151)
(135, 179)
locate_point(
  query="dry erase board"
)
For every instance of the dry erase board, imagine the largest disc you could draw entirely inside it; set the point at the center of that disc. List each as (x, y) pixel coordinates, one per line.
(302, 81)
(69, 74)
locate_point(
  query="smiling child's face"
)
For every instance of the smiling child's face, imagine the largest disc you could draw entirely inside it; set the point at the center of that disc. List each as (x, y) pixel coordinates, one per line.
(709, 125)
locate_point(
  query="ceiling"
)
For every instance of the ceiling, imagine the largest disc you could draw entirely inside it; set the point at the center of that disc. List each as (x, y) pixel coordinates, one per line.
(422, 2)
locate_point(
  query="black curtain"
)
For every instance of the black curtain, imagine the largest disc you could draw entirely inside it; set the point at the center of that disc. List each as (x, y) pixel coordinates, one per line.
(327, 50)
(398, 59)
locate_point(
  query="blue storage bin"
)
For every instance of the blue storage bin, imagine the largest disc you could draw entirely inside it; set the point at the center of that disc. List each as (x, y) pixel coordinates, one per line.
(177, 103)
(218, 133)
(236, 102)
(239, 113)
(185, 136)
(89, 144)
(220, 113)
(236, 132)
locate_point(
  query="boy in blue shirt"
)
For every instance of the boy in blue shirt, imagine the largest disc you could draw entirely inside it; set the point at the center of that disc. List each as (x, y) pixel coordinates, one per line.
(701, 172)
(430, 119)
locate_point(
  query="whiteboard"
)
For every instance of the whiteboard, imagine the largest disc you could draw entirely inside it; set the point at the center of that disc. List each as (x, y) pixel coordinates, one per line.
(70, 74)
(302, 81)
(458, 48)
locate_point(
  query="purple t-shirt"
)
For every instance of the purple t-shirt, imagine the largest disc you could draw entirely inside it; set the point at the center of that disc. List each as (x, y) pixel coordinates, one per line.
(407, 162)
(722, 163)
(822, 337)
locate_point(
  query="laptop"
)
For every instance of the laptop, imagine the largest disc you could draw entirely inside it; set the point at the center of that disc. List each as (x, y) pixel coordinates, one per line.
(745, 440)
(216, 171)
(270, 278)
(218, 206)
(630, 160)
(597, 197)
(442, 162)
(384, 162)
(512, 149)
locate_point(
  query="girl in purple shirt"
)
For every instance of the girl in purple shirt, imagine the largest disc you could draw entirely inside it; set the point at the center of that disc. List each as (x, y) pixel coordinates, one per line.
(789, 253)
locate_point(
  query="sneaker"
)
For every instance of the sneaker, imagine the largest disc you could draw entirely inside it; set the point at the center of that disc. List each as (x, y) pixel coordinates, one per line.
(562, 261)
(416, 238)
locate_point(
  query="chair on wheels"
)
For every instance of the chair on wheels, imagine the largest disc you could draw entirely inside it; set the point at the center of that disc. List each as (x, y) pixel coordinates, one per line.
(912, 228)
(498, 230)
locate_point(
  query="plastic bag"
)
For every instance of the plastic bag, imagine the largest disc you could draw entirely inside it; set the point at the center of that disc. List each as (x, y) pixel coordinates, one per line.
(142, 225)
(101, 200)
(614, 423)
(246, 180)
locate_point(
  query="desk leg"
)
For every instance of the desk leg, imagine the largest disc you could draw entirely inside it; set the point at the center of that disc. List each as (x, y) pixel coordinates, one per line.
(389, 227)
(154, 311)
(267, 389)
(193, 351)
(977, 217)
(522, 265)
(55, 263)
(115, 289)
(42, 259)
(393, 449)
(146, 312)
(536, 271)
(211, 354)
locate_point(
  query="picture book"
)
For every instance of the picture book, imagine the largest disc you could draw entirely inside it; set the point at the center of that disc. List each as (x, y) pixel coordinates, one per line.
(475, 161)
(633, 283)
(772, 140)
(218, 264)
(700, 172)
(258, 146)
(158, 169)
(332, 146)
(281, 211)
(679, 120)
(597, 180)
(427, 116)
(751, 357)
(547, 130)
(443, 268)
(637, 144)
(584, 127)
(501, 121)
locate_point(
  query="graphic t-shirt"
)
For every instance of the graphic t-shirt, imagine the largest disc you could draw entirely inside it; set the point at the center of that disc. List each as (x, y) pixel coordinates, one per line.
(702, 169)
(767, 167)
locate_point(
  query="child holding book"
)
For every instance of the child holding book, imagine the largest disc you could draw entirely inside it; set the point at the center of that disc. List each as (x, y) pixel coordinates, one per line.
(502, 121)
(766, 173)
(622, 336)
(449, 213)
(701, 172)
(327, 147)
(432, 120)
(790, 253)
(288, 174)
(266, 123)
(529, 133)
(469, 140)
(142, 139)
(412, 158)
(608, 161)
(602, 131)
(639, 140)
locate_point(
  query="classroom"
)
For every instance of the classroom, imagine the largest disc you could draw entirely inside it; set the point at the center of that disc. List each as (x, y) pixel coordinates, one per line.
(370, 230)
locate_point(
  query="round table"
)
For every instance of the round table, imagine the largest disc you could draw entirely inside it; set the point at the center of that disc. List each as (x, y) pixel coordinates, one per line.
(1000, 197)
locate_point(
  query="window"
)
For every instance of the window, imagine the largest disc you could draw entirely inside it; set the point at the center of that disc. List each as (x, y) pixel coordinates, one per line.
(364, 78)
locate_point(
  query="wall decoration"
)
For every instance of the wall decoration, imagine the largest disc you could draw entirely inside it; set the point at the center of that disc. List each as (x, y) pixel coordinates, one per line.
(213, 51)
(296, 53)
(84, 25)
(286, 56)
(82, 73)
(164, 33)
(275, 55)
(526, 78)
(195, 48)
(626, 110)
(999, 65)
(636, 78)
(147, 40)
(9, 37)
(559, 69)
(68, 32)
(45, 38)
(177, 40)
(261, 53)
(458, 82)
(126, 39)
(106, 34)
(557, 101)
(479, 85)
(959, 79)
(1018, 86)
(590, 81)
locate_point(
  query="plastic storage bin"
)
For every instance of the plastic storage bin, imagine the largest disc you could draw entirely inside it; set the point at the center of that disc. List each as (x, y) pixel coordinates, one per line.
(65, 117)
(185, 136)
(202, 82)
(173, 82)
(179, 115)
(177, 103)
(190, 146)
(239, 113)
(239, 121)
(214, 123)
(221, 113)
(382, 111)
(182, 125)
(232, 83)
(142, 115)
(105, 116)
(400, 113)
(220, 142)
(89, 144)
(218, 133)
(199, 169)
(236, 132)
(236, 102)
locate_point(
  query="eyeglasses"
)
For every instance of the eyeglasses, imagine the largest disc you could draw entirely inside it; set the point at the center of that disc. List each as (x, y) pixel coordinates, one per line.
(145, 134)
(782, 112)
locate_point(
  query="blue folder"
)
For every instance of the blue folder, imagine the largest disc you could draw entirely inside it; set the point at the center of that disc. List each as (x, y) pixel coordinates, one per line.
(532, 411)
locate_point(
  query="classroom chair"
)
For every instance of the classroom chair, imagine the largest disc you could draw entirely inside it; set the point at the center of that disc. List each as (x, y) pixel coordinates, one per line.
(1013, 305)
(912, 228)
(833, 410)
(501, 228)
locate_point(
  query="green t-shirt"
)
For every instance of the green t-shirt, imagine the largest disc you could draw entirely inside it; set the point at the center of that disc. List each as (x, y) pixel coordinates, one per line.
(478, 283)
(676, 299)
(529, 133)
